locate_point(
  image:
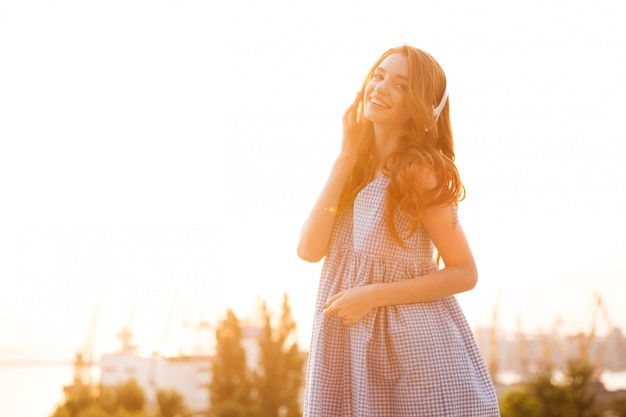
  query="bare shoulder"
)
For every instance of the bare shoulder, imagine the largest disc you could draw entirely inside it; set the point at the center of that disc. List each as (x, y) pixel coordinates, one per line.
(441, 216)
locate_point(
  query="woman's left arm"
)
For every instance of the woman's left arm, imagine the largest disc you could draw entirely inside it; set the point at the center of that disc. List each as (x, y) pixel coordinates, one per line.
(458, 275)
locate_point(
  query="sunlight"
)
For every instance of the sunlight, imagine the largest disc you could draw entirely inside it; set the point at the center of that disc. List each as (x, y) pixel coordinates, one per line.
(160, 159)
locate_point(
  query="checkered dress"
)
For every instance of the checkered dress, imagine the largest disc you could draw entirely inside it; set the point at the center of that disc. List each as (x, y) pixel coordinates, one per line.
(407, 360)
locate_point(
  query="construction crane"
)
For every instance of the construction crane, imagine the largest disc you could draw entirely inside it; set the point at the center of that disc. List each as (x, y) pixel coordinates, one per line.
(203, 332)
(126, 334)
(522, 343)
(586, 340)
(493, 361)
(167, 334)
(84, 359)
(550, 356)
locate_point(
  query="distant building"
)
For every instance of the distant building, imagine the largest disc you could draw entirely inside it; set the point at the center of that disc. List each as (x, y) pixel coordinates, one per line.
(188, 375)
(518, 355)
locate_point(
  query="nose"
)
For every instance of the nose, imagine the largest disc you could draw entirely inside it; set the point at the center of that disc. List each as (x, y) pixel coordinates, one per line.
(381, 87)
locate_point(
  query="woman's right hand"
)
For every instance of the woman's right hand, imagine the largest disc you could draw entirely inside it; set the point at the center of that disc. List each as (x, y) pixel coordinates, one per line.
(351, 129)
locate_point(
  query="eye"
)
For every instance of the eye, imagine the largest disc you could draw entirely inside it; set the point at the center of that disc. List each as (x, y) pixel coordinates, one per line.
(377, 77)
(403, 87)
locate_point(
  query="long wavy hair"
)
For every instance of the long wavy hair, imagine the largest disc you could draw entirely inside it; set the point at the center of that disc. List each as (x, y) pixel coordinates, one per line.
(426, 146)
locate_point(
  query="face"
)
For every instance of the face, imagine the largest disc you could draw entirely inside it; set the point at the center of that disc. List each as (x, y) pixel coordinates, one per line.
(385, 98)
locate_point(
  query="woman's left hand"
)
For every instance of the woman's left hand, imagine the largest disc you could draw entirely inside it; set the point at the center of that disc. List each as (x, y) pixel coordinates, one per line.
(350, 305)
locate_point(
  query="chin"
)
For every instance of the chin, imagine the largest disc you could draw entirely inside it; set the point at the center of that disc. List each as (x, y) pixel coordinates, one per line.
(371, 115)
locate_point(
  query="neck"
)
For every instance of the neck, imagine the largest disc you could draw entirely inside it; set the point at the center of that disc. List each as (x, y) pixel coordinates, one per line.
(386, 140)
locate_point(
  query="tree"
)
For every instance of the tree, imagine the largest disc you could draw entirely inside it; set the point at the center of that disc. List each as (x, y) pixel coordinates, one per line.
(230, 389)
(78, 398)
(617, 406)
(93, 410)
(130, 396)
(550, 396)
(518, 402)
(541, 396)
(124, 400)
(581, 389)
(61, 411)
(171, 404)
(280, 374)
(107, 399)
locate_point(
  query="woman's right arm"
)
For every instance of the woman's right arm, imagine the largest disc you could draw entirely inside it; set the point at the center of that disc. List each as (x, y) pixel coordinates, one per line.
(316, 232)
(318, 228)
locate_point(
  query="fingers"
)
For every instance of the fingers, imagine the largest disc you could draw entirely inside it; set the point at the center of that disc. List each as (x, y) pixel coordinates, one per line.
(350, 116)
(350, 144)
(343, 316)
(332, 308)
(332, 299)
(357, 100)
(328, 309)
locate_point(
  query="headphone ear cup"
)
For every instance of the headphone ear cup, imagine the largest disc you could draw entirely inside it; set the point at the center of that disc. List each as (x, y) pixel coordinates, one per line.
(437, 110)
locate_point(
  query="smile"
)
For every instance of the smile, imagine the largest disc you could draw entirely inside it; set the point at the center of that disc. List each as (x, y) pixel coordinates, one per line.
(379, 103)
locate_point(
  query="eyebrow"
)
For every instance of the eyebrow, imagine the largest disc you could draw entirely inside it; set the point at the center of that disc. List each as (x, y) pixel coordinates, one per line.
(402, 77)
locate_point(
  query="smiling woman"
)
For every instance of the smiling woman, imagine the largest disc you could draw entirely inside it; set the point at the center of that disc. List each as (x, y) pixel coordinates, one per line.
(389, 337)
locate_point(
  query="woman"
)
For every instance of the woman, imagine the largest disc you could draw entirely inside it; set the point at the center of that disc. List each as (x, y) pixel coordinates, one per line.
(389, 338)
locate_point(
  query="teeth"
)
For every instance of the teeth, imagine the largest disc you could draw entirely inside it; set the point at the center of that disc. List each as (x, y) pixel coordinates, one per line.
(379, 103)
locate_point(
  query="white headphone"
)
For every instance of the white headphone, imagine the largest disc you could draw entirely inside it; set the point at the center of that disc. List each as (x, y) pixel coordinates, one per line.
(437, 110)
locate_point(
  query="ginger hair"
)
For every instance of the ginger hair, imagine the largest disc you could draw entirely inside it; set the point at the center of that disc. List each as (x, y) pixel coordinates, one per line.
(426, 149)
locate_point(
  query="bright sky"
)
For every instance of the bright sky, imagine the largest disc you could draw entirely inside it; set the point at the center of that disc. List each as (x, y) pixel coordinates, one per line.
(160, 157)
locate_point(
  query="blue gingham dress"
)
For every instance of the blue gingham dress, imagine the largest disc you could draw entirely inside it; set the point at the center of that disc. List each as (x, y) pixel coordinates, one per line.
(407, 360)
